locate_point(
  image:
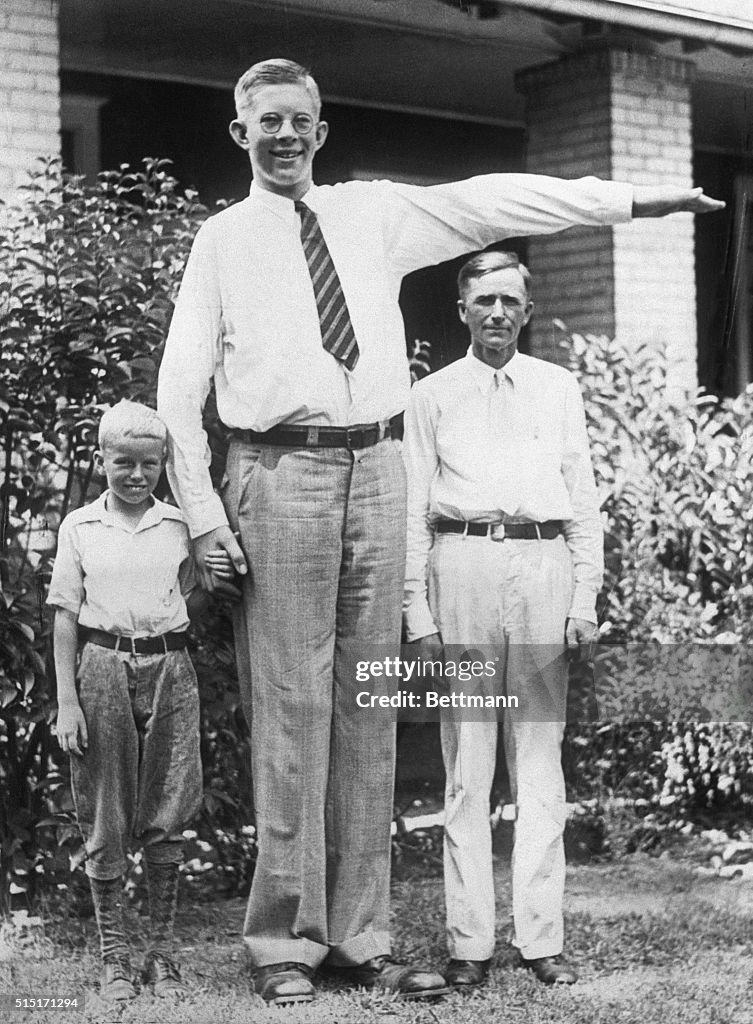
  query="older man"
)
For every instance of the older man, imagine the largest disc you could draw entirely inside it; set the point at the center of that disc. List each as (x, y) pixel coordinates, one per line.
(504, 548)
(290, 303)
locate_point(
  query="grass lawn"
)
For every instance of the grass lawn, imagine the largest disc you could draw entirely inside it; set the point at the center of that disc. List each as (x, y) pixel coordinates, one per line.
(655, 943)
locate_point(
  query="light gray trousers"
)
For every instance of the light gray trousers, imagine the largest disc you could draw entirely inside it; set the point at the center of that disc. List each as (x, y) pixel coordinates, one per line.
(323, 531)
(513, 595)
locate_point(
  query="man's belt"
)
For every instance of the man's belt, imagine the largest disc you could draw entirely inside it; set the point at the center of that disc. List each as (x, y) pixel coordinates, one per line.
(364, 435)
(500, 531)
(161, 644)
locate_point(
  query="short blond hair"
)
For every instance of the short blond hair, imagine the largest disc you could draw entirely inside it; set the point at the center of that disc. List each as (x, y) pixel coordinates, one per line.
(130, 419)
(276, 71)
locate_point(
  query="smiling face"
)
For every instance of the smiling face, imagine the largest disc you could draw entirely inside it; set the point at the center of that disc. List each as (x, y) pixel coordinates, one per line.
(281, 159)
(132, 466)
(495, 307)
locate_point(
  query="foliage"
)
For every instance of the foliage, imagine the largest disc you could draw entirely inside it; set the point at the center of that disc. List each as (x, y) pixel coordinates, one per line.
(675, 478)
(676, 482)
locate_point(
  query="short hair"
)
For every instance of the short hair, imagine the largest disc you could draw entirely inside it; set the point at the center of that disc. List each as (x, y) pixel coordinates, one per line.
(487, 263)
(130, 419)
(276, 71)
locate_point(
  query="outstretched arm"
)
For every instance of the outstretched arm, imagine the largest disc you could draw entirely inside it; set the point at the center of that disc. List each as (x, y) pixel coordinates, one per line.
(660, 200)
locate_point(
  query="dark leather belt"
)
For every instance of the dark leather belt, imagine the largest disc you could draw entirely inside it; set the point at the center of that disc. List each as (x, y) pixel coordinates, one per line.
(137, 644)
(364, 435)
(500, 531)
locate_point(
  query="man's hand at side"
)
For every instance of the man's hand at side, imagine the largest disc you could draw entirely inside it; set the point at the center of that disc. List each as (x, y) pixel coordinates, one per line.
(580, 637)
(660, 200)
(219, 538)
(430, 648)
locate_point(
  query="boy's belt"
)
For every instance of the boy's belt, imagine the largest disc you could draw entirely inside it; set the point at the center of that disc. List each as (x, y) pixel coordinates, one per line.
(363, 435)
(500, 531)
(137, 644)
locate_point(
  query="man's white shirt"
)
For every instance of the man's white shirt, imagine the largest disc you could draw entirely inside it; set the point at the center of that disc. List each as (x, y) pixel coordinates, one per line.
(482, 445)
(246, 313)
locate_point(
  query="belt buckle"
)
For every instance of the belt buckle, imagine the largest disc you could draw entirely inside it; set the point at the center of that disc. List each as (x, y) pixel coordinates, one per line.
(497, 531)
(350, 434)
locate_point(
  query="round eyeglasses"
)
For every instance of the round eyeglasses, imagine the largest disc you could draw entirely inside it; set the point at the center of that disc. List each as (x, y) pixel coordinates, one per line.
(272, 123)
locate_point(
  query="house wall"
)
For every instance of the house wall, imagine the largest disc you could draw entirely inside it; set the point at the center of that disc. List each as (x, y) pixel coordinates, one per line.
(626, 116)
(29, 88)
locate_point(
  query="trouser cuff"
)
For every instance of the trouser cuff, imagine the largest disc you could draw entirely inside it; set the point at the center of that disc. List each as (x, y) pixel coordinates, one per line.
(359, 949)
(536, 950)
(264, 952)
(468, 951)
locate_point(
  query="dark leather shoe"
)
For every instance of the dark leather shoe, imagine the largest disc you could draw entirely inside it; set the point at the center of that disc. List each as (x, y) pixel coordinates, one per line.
(552, 970)
(278, 984)
(466, 973)
(163, 975)
(116, 981)
(385, 975)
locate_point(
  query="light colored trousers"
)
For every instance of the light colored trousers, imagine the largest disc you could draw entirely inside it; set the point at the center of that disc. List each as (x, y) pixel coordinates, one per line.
(513, 594)
(323, 530)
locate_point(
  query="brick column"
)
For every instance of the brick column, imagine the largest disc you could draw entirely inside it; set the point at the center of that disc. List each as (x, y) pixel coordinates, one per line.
(29, 88)
(625, 116)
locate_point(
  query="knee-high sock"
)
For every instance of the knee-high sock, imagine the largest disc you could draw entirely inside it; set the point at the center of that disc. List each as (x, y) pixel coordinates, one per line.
(107, 895)
(162, 882)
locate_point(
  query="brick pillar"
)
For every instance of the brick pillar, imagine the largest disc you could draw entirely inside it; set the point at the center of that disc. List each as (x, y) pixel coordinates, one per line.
(625, 116)
(29, 88)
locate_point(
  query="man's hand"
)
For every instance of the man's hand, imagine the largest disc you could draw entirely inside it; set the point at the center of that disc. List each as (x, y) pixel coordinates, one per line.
(219, 538)
(219, 563)
(580, 637)
(660, 200)
(430, 648)
(71, 730)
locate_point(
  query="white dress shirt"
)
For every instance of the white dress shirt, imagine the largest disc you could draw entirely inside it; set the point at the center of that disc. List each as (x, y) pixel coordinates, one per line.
(483, 445)
(246, 314)
(130, 582)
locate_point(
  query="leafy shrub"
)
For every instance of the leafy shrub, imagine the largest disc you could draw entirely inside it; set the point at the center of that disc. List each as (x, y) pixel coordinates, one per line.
(677, 486)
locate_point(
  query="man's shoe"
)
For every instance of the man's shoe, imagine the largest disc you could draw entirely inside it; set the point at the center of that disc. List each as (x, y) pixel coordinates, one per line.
(552, 970)
(278, 984)
(116, 981)
(466, 973)
(383, 974)
(161, 973)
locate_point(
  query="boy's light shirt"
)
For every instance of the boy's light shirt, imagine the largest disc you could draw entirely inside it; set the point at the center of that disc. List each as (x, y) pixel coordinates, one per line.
(131, 582)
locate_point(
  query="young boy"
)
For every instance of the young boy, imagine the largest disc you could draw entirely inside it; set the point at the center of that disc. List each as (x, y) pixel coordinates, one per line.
(129, 714)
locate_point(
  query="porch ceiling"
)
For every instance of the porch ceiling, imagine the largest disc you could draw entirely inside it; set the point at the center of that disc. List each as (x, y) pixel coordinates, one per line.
(435, 56)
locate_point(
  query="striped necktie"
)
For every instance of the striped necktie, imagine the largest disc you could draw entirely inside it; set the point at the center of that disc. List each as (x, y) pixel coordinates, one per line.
(338, 336)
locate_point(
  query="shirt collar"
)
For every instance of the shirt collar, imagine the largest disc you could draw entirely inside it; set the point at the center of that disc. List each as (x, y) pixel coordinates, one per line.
(97, 511)
(483, 374)
(280, 206)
